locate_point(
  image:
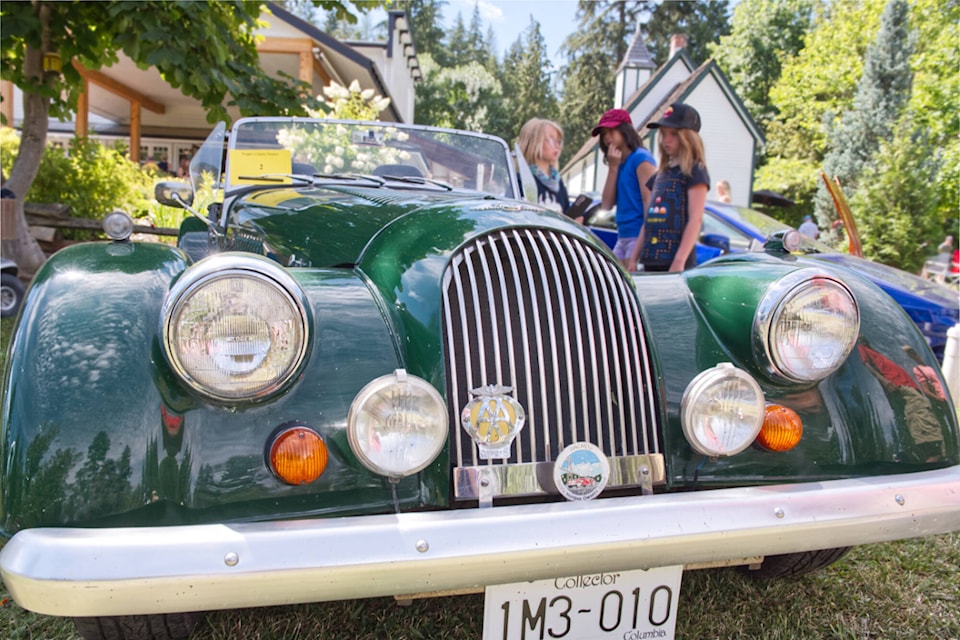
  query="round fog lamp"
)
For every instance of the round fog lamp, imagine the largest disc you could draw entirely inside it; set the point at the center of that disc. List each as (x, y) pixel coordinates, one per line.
(721, 411)
(397, 424)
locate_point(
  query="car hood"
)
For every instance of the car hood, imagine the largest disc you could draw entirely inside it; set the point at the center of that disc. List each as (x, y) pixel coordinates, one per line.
(890, 278)
(332, 226)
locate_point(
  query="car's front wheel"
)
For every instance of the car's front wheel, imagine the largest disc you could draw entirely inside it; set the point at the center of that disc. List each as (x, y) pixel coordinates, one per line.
(11, 295)
(167, 626)
(796, 564)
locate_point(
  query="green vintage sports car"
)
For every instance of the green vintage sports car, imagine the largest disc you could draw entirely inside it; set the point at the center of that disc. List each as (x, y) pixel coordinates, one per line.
(369, 368)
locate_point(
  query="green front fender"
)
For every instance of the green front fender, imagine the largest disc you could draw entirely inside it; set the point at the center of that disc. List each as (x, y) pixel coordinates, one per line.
(77, 360)
(99, 431)
(853, 424)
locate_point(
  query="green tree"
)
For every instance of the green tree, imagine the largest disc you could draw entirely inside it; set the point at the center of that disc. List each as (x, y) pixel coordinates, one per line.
(207, 50)
(935, 102)
(426, 23)
(527, 78)
(763, 34)
(593, 52)
(457, 45)
(894, 198)
(467, 97)
(815, 87)
(882, 93)
(702, 21)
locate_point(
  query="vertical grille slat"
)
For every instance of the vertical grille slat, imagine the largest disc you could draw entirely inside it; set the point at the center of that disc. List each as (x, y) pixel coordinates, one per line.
(553, 318)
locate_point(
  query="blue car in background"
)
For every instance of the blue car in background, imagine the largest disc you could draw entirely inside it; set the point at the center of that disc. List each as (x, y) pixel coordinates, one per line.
(727, 228)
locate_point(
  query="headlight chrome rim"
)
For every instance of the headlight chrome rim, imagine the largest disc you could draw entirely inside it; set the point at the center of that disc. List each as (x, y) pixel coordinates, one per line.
(704, 388)
(360, 436)
(262, 272)
(776, 303)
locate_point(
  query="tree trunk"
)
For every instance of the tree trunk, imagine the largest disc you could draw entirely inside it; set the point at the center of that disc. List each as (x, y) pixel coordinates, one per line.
(24, 250)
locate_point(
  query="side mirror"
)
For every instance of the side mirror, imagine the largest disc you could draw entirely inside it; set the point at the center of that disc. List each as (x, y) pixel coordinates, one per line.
(174, 194)
(717, 241)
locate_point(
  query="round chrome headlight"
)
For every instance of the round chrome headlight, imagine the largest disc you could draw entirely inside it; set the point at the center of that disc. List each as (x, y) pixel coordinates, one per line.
(805, 326)
(721, 411)
(235, 327)
(397, 424)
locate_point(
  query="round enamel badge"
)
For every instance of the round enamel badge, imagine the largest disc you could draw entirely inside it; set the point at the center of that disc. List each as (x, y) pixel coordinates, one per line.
(581, 471)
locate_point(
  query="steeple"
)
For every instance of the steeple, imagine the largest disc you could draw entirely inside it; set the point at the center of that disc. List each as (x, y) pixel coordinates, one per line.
(634, 70)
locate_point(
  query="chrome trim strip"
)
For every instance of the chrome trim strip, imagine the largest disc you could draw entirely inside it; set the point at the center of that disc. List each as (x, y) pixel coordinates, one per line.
(123, 571)
(536, 478)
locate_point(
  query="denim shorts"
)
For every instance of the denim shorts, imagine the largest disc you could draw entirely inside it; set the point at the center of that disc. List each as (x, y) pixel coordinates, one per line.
(624, 247)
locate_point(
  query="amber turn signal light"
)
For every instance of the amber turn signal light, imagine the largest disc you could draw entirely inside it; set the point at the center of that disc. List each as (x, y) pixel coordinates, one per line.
(298, 455)
(781, 429)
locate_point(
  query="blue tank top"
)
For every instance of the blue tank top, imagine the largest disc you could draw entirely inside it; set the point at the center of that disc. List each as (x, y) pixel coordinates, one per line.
(630, 206)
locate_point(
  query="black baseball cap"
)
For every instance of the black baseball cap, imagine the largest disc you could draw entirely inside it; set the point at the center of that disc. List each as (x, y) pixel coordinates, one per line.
(678, 116)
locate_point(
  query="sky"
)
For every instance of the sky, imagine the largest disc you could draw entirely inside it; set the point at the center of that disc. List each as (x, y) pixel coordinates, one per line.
(510, 18)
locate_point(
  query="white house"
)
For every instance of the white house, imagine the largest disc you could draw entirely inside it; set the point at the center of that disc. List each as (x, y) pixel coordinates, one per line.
(731, 137)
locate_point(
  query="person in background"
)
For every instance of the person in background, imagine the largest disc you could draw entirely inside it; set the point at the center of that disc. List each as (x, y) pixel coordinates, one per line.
(678, 194)
(946, 246)
(723, 192)
(183, 167)
(809, 228)
(540, 143)
(630, 168)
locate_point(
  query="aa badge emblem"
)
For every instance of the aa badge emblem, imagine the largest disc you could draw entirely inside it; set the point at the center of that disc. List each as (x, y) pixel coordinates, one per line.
(493, 419)
(581, 471)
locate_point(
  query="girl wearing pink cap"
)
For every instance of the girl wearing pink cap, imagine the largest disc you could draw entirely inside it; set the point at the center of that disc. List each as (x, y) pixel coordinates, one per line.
(631, 166)
(670, 231)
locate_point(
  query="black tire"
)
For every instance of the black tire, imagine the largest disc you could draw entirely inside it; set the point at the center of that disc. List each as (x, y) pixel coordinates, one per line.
(11, 295)
(166, 626)
(795, 564)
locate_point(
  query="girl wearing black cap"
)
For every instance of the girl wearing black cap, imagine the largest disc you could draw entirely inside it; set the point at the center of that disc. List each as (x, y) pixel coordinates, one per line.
(668, 239)
(631, 165)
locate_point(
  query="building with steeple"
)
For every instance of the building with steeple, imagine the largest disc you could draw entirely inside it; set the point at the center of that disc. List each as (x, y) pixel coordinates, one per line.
(634, 71)
(732, 139)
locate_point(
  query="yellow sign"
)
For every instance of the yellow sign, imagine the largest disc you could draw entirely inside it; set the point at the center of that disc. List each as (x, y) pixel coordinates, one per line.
(260, 166)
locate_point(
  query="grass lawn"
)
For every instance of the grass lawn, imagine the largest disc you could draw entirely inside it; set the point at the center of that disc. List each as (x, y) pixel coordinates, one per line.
(903, 590)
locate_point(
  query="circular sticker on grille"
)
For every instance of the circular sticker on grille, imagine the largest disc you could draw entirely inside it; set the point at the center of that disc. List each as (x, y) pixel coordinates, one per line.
(581, 471)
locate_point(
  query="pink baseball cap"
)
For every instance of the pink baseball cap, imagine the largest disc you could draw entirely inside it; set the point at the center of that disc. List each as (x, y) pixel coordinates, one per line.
(611, 120)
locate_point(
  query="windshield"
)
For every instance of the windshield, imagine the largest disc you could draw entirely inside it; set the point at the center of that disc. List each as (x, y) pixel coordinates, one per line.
(289, 150)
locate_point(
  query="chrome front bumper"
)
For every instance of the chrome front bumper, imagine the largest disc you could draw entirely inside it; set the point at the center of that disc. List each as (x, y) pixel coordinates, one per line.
(95, 572)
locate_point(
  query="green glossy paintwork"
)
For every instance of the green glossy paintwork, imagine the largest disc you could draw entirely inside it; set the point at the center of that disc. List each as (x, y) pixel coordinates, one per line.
(99, 431)
(851, 426)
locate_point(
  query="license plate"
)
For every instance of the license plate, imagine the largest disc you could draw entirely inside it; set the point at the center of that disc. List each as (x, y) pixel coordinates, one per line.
(626, 605)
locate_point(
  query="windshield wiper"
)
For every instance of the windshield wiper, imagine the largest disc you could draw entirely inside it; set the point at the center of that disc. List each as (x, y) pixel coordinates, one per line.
(350, 176)
(418, 180)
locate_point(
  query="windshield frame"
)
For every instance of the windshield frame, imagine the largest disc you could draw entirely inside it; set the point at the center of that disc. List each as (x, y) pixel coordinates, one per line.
(494, 149)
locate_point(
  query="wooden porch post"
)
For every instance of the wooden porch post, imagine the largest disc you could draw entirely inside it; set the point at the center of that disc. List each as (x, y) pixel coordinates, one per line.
(83, 111)
(135, 131)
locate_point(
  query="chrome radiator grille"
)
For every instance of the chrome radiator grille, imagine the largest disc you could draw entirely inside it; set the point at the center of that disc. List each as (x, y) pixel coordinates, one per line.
(551, 317)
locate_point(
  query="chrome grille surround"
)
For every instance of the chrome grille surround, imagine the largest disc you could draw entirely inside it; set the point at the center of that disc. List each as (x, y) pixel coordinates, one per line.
(552, 317)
